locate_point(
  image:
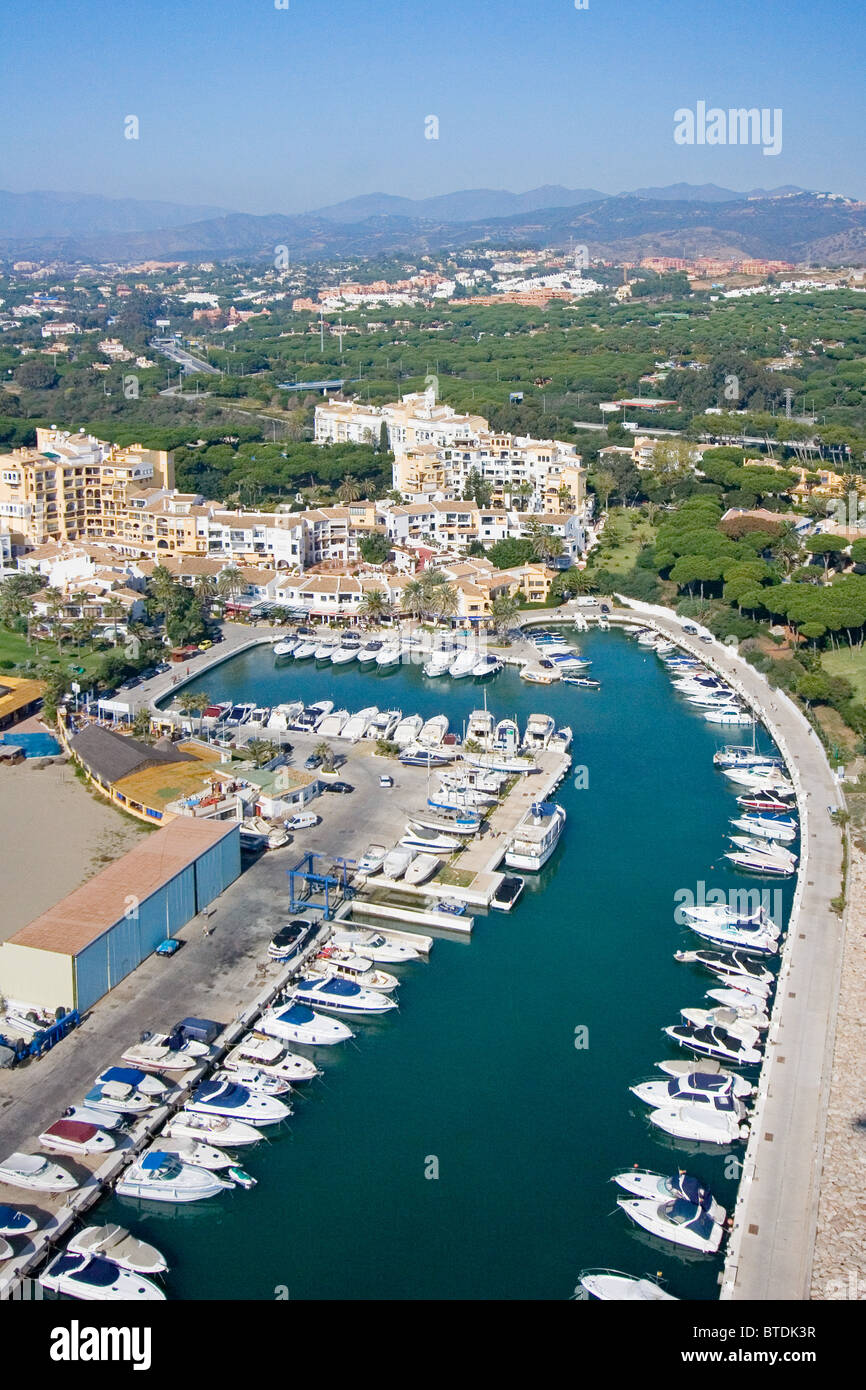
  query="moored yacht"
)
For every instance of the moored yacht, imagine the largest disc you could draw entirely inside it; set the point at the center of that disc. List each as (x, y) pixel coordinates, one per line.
(294, 1022)
(464, 663)
(433, 733)
(692, 1086)
(232, 1134)
(161, 1177)
(678, 1221)
(486, 665)
(408, 730)
(94, 1279)
(370, 943)
(284, 648)
(36, 1173)
(439, 663)
(640, 1182)
(389, 655)
(610, 1285)
(731, 965)
(355, 727)
(743, 1047)
(336, 994)
(115, 1243)
(234, 1101)
(283, 716)
(268, 1055)
(719, 1122)
(773, 830)
(332, 724)
(480, 728)
(369, 651)
(540, 728)
(536, 837)
(384, 724)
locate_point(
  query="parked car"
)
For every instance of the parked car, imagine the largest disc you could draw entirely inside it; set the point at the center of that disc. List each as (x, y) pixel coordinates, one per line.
(690, 627)
(385, 781)
(341, 787)
(169, 947)
(314, 760)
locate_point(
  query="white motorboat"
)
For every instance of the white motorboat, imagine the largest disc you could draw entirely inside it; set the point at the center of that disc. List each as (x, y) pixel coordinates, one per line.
(719, 1122)
(119, 1098)
(383, 724)
(506, 737)
(283, 716)
(294, 1022)
(507, 892)
(609, 1285)
(709, 699)
(640, 1182)
(465, 822)
(722, 914)
(397, 861)
(304, 650)
(35, 1173)
(16, 1223)
(542, 674)
(487, 665)
(345, 653)
(355, 728)
(372, 860)
(369, 651)
(479, 729)
(336, 994)
(755, 863)
(115, 1243)
(540, 729)
(681, 1069)
(265, 1054)
(289, 941)
(332, 725)
(311, 716)
(482, 779)
(194, 1151)
(433, 733)
(439, 663)
(232, 1134)
(167, 1052)
(75, 1137)
(373, 944)
(284, 648)
(536, 836)
(766, 829)
(94, 1279)
(325, 650)
(768, 848)
(730, 716)
(354, 967)
(740, 755)
(561, 740)
(407, 730)
(464, 664)
(416, 837)
(690, 1086)
(732, 993)
(741, 1048)
(678, 1221)
(256, 1079)
(161, 1177)
(731, 966)
(423, 866)
(761, 780)
(136, 1079)
(748, 1012)
(102, 1119)
(237, 1103)
(389, 655)
(762, 939)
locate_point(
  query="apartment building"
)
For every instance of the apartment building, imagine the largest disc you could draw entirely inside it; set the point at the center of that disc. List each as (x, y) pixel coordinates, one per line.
(416, 420)
(73, 486)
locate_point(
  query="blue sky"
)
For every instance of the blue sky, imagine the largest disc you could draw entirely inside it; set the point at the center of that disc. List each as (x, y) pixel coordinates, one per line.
(261, 109)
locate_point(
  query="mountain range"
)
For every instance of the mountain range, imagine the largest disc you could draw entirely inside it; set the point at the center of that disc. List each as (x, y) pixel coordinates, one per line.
(682, 219)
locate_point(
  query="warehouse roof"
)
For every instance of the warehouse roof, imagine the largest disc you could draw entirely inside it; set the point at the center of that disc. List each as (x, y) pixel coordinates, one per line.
(88, 912)
(110, 755)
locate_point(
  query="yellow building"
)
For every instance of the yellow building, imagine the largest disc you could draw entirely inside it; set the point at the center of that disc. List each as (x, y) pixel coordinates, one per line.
(74, 487)
(19, 698)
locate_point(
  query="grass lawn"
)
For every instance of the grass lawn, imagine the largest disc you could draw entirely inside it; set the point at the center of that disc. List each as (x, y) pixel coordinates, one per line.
(849, 662)
(14, 647)
(626, 531)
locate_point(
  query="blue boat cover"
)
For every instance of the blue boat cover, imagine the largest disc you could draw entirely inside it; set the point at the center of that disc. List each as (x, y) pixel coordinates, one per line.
(127, 1076)
(154, 1160)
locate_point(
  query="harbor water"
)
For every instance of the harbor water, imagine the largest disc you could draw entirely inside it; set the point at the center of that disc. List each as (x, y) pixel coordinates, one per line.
(462, 1147)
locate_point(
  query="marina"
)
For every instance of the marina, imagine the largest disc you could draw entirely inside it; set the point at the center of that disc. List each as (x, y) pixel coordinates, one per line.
(372, 1073)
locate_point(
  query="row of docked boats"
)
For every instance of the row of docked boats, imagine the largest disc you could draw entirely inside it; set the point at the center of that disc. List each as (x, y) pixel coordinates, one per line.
(455, 659)
(555, 660)
(243, 1093)
(701, 688)
(704, 1099)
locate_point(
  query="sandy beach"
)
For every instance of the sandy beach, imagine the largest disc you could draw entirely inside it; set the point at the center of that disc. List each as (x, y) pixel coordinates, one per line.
(55, 833)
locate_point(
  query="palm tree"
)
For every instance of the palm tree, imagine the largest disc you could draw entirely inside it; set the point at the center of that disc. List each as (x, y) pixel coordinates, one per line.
(162, 586)
(230, 582)
(445, 600)
(503, 610)
(349, 489)
(198, 703)
(114, 610)
(325, 752)
(205, 590)
(141, 723)
(54, 606)
(604, 483)
(261, 750)
(375, 606)
(414, 598)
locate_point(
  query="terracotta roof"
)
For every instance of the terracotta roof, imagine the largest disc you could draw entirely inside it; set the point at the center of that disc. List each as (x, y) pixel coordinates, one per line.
(83, 916)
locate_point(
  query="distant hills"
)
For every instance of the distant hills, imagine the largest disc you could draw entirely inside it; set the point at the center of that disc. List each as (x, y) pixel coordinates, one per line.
(83, 214)
(683, 219)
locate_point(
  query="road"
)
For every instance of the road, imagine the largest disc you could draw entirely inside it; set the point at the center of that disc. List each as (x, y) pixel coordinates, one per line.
(169, 348)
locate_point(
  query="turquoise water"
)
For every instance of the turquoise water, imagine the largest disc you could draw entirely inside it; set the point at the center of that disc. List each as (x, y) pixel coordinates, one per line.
(479, 1068)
